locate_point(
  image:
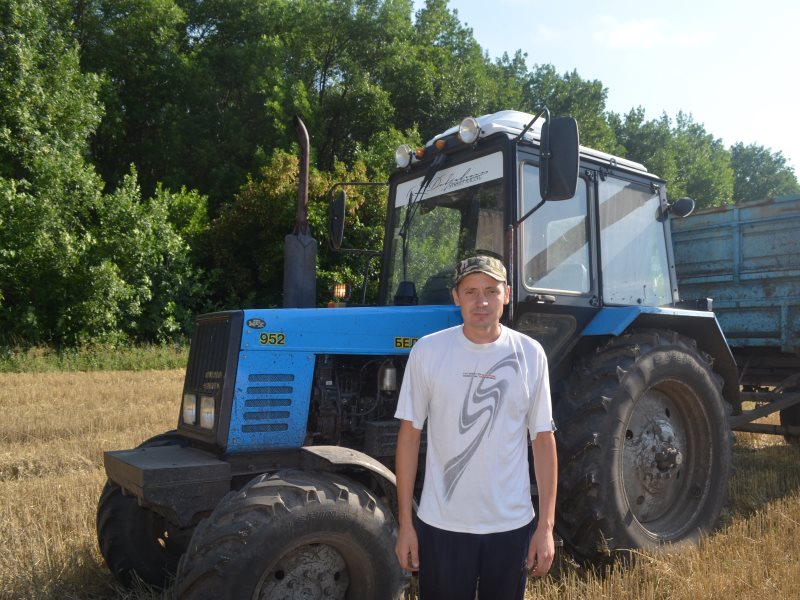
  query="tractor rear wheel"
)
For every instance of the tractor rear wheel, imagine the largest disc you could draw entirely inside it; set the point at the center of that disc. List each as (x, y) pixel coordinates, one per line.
(644, 446)
(294, 534)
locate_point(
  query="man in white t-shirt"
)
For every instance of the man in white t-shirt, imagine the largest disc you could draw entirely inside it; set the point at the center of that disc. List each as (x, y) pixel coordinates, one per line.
(482, 388)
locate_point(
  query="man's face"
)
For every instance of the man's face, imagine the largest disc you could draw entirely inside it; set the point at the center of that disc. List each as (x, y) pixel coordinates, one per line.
(481, 299)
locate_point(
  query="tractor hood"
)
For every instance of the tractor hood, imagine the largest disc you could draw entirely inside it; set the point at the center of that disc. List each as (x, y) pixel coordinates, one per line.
(360, 330)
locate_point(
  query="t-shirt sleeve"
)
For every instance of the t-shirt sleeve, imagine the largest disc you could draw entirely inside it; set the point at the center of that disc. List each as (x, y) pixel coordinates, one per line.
(540, 415)
(412, 404)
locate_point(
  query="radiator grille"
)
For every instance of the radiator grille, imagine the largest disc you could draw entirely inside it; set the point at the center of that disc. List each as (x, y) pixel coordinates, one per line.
(205, 372)
(262, 400)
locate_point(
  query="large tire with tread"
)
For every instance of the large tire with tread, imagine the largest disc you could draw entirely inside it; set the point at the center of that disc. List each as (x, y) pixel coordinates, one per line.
(644, 446)
(137, 543)
(790, 417)
(294, 534)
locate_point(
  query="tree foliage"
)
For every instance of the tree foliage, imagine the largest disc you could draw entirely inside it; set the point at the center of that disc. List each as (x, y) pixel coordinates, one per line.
(443, 75)
(760, 173)
(75, 264)
(570, 94)
(248, 236)
(693, 162)
(107, 107)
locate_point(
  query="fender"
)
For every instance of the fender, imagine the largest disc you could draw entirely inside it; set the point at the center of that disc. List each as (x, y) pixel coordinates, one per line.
(182, 483)
(347, 460)
(700, 325)
(337, 456)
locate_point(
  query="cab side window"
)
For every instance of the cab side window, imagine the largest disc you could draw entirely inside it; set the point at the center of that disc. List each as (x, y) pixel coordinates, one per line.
(554, 239)
(632, 245)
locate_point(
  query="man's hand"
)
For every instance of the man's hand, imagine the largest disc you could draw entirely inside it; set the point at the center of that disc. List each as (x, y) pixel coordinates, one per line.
(541, 552)
(407, 549)
(545, 462)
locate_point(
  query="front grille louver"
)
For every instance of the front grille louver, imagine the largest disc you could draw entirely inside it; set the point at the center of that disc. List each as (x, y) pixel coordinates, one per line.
(262, 400)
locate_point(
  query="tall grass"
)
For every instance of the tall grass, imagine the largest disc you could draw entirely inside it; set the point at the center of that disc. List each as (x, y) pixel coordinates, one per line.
(98, 357)
(55, 427)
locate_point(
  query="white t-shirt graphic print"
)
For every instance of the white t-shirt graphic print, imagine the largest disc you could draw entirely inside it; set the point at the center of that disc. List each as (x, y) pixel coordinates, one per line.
(479, 401)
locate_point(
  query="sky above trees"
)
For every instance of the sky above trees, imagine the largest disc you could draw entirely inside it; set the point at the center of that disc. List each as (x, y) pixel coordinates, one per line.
(728, 63)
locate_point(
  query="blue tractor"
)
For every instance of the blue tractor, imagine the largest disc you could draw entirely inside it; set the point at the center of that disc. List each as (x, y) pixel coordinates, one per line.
(278, 479)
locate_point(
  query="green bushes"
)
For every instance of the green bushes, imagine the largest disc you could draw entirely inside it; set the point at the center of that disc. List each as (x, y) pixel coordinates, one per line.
(95, 357)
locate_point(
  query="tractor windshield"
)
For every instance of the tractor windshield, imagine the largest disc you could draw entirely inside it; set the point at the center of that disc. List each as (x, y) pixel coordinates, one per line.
(458, 214)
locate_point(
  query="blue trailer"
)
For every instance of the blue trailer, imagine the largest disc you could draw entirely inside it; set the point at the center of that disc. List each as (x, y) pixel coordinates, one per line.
(746, 259)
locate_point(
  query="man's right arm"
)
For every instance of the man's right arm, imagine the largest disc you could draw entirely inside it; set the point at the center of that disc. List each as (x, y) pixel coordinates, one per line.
(406, 459)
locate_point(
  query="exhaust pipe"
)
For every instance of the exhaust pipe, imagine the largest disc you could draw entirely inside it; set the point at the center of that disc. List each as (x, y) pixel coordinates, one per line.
(300, 249)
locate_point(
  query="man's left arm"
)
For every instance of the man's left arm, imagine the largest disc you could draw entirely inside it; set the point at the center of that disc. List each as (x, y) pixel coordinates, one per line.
(545, 463)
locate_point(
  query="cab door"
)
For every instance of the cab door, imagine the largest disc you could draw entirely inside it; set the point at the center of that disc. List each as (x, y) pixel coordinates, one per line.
(556, 284)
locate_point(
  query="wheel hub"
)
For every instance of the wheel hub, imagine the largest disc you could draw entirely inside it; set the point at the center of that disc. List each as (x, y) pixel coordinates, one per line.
(654, 453)
(314, 571)
(657, 455)
(668, 458)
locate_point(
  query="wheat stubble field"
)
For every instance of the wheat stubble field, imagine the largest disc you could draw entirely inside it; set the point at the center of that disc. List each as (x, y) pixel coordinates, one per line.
(55, 426)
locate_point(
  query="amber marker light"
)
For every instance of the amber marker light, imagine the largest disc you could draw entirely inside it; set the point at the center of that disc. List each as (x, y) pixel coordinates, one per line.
(341, 291)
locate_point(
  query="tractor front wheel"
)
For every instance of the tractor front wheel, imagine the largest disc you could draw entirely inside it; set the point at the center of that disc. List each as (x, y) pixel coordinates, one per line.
(294, 534)
(136, 542)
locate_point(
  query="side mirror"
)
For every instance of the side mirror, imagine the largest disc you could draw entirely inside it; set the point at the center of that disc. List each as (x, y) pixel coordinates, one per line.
(682, 207)
(558, 167)
(336, 211)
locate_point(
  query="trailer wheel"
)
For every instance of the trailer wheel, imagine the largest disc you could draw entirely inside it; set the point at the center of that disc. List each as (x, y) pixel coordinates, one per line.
(644, 446)
(790, 417)
(294, 534)
(135, 542)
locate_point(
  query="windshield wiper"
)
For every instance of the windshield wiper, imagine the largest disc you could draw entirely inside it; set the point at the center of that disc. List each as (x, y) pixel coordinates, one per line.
(412, 206)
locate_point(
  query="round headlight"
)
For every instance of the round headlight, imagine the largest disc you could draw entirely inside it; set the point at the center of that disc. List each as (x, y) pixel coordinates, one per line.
(190, 409)
(469, 130)
(207, 412)
(402, 156)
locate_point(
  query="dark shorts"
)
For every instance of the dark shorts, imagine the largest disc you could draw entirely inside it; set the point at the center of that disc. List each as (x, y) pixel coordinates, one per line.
(453, 565)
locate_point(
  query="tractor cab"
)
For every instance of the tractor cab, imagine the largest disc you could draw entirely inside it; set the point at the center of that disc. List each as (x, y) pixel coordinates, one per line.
(589, 233)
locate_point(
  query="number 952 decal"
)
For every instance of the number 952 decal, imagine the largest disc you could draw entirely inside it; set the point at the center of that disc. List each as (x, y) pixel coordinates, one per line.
(272, 339)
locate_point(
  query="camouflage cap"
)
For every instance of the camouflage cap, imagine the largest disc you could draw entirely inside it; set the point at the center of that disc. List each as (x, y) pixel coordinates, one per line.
(493, 267)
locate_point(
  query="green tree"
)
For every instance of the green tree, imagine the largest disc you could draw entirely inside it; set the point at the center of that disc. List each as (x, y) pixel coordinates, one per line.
(47, 106)
(509, 76)
(248, 236)
(442, 76)
(75, 265)
(135, 46)
(47, 110)
(690, 159)
(232, 86)
(760, 173)
(704, 164)
(138, 241)
(570, 94)
(198, 93)
(342, 59)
